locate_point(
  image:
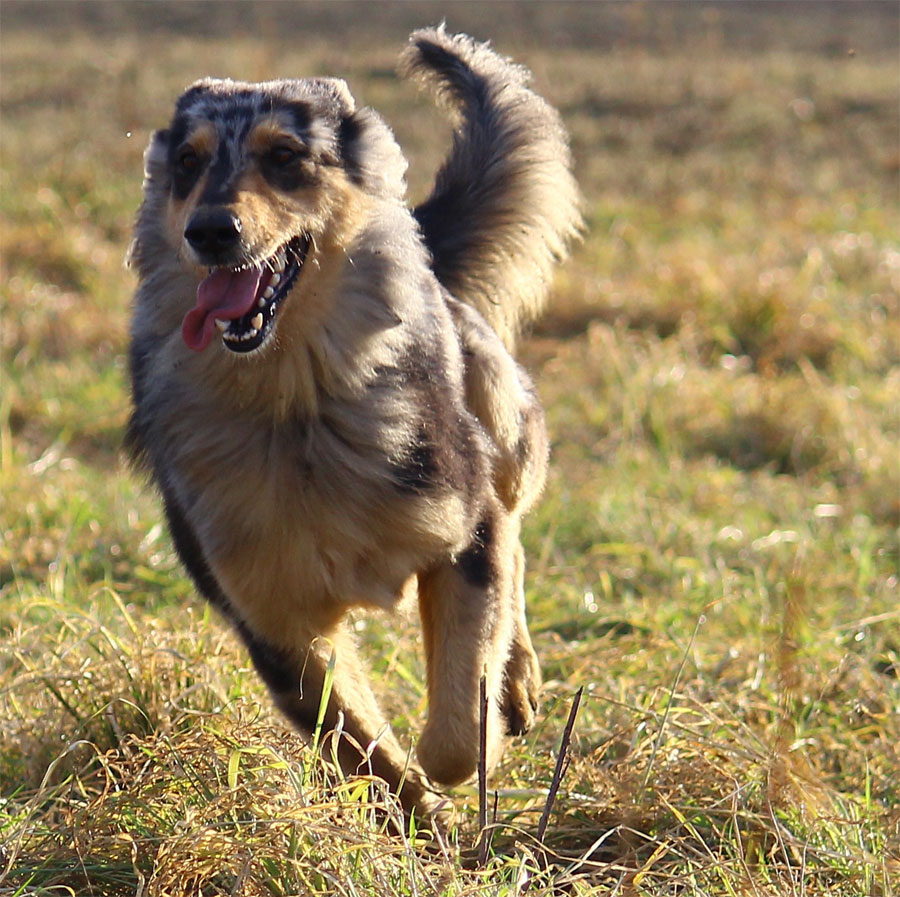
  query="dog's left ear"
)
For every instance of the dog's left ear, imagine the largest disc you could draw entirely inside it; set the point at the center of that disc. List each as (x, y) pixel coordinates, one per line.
(370, 154)
(336, 91)
(156, 157)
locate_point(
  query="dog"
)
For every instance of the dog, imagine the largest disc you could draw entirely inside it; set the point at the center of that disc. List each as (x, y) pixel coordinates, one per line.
(324, 391)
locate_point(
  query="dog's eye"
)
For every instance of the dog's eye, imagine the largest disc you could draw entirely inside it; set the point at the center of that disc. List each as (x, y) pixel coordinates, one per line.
(188, 161)
(283, 155)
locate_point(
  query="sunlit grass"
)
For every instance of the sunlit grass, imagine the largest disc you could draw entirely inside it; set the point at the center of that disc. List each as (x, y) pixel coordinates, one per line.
(715, 558)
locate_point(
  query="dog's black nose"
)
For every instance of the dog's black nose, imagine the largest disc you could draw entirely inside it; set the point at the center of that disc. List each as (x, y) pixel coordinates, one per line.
(213, 230)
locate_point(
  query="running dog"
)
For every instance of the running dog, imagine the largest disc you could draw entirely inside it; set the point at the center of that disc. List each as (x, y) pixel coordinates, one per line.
(324, 391)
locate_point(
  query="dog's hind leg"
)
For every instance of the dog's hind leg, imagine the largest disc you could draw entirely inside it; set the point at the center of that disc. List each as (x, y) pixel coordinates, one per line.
(468, 618)
(522, 676)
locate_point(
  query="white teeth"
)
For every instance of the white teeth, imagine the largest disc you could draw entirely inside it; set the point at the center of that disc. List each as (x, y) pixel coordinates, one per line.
(242, 337)
(279, 264)
(275, 279)
(256, 321)
(222, 325)
(268, 293)
(261, 302)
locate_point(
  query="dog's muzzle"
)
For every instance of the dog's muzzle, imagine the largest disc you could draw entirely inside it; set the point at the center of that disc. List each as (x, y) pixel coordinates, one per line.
(241, 295)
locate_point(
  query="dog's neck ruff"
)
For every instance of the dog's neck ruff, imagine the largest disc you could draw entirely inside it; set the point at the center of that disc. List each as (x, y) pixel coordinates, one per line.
(241, 303)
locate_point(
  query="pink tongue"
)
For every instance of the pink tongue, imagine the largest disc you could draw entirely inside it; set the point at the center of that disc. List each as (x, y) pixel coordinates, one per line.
(224, 294)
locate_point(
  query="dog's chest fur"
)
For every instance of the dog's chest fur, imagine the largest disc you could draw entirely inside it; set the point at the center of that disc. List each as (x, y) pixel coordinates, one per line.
(306, 514)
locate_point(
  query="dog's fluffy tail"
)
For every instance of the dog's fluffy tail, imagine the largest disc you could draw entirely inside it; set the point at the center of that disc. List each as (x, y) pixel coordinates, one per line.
(505, 204)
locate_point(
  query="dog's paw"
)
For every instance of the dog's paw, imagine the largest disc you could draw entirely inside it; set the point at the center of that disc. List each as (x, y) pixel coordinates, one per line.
(448, 749)
(522, 685)
(446, 759)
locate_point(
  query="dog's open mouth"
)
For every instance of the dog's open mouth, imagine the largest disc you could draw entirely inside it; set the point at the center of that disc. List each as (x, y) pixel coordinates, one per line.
(241, 303)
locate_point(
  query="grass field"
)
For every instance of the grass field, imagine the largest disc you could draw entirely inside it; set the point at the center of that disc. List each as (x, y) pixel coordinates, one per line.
(715, 559)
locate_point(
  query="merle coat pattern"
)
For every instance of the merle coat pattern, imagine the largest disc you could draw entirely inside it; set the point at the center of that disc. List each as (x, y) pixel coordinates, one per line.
(324, 391)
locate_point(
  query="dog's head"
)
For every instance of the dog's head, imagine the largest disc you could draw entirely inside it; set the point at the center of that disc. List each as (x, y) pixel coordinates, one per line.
(247, 181)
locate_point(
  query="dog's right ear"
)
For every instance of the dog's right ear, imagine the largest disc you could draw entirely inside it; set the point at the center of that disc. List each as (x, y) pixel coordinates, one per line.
(156, 156)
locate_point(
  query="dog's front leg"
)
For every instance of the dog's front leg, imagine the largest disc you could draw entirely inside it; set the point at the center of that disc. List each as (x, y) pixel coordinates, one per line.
(296, 680)
(295, 675)
(468, 617)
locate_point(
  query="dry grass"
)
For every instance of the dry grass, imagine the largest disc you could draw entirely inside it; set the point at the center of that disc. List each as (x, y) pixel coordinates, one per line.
(715, 560)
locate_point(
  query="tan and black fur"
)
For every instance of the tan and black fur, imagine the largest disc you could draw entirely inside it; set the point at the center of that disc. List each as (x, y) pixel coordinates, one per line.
(364, 432)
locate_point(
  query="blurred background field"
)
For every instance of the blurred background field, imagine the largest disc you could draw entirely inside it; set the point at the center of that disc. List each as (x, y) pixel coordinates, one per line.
(715, 559)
